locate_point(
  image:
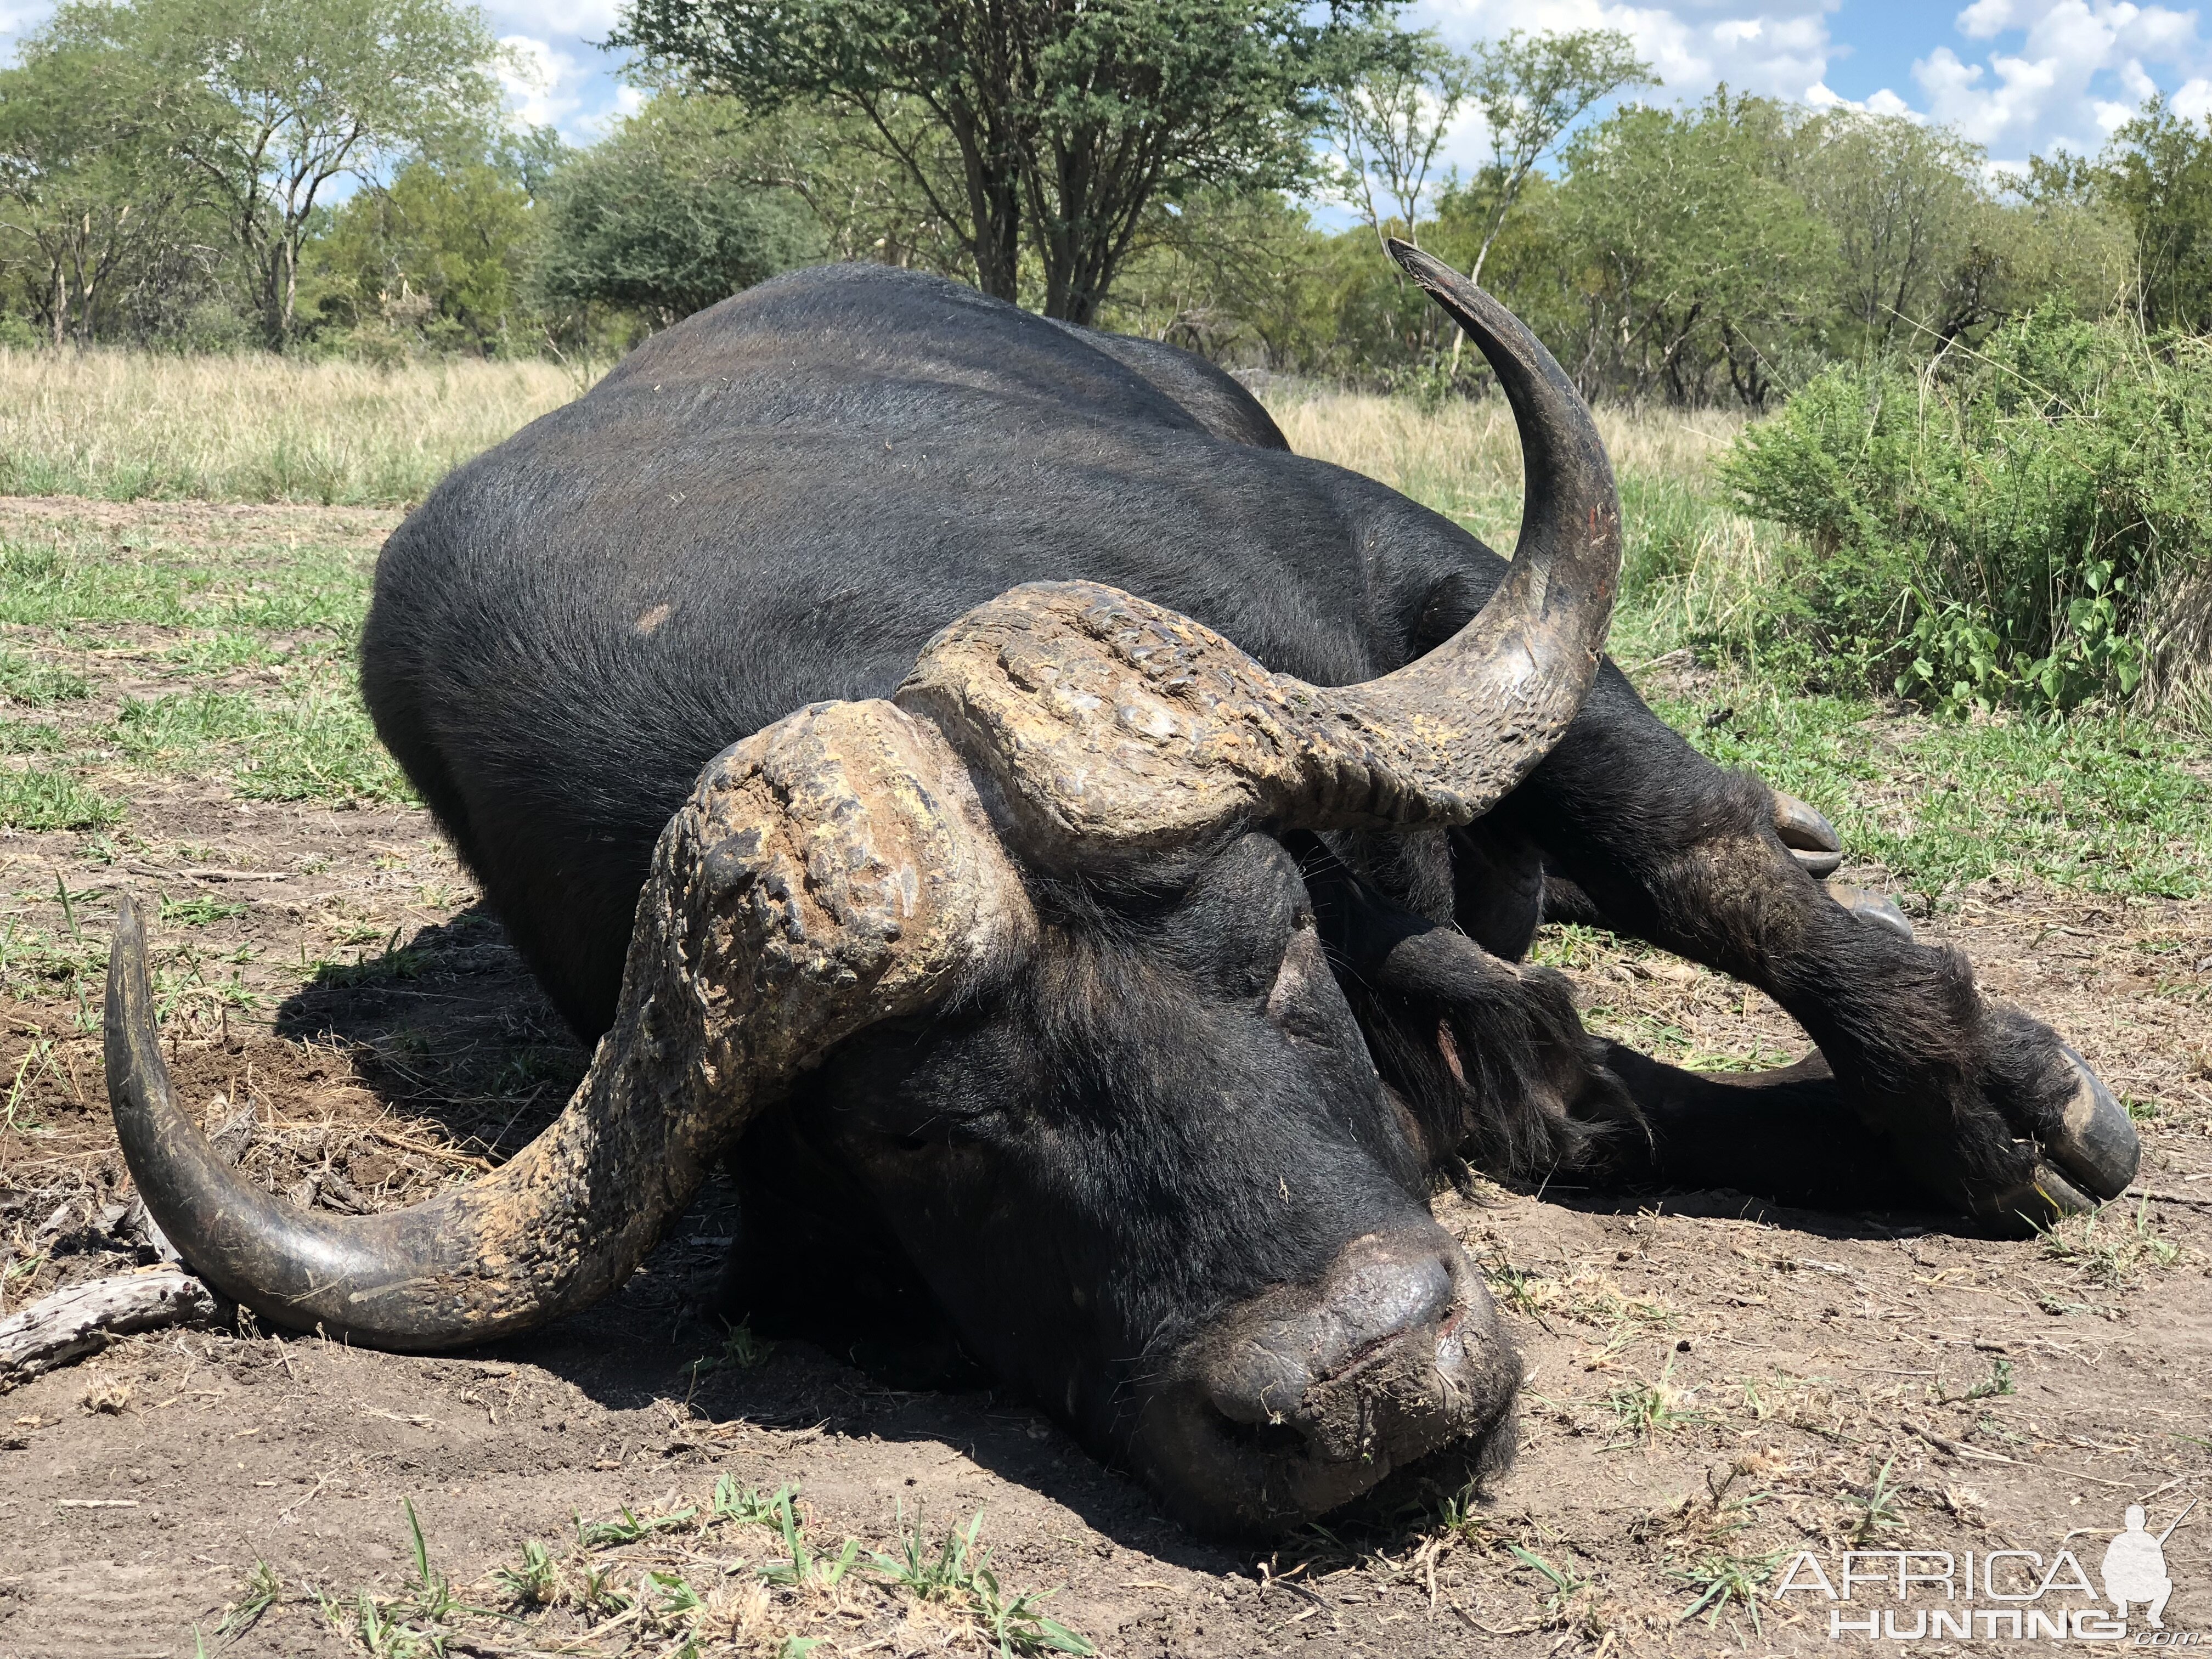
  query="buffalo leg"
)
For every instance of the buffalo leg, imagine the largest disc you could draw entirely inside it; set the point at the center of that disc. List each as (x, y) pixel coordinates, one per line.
(1985, 1108)
(1786, 1135)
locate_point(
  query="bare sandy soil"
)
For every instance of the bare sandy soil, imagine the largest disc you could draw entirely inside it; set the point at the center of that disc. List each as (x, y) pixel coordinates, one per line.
(1714, 1384)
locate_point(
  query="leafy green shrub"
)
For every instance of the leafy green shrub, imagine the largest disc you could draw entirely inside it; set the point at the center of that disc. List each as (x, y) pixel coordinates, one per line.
(2007, 529)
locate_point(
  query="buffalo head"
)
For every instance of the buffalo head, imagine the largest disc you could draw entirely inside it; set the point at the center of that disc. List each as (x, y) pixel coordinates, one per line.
(1032, 943)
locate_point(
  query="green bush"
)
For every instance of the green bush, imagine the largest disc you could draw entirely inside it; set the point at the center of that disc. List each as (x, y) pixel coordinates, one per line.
(2007, 529)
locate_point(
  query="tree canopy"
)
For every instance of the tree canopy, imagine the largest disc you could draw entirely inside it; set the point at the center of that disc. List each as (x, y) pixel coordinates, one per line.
(666, 217)
(343, 178)
(269, 103)
(1064, 120)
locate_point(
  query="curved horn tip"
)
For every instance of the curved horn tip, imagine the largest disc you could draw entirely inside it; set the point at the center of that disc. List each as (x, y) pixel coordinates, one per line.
(130, 931)
(1421, 265)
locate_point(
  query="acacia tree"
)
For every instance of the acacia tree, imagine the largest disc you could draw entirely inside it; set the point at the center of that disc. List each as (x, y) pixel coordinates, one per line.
(664, 219)
(1694, 256)
(1066, 120)
(1389, 121)
(1908, 205)
(271, 101)
(89, 197)
(2157, 174)
(1530, 90)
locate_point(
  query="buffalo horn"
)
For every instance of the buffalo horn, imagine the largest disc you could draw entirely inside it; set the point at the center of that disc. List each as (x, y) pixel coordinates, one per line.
(830, 872)
(1492, 701)
(1107, 722)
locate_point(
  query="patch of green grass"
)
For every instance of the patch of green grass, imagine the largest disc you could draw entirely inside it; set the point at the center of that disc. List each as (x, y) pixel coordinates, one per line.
(954, 1574)
(599, 1535)
(45, 583)
(2111, 806)
(413, 1624)
(39, 798)
(199, 912)
(1720, 1579)
(803, 1566)
(1644, 1411)
(745, 1506)
(1998, 1383)
(741, 1351)
(15, 1114)
(2110, 1254)
(1879, 1507)
(35, 684)
(53, 583)
(317, 746)
(225, 650)
(1517, 1288)
(1664, 1040)
(262, 1590)
(27, 954)
(392, 966)
(535, 1581)
(670, 1595)
(1572, 1601)
(30, 738)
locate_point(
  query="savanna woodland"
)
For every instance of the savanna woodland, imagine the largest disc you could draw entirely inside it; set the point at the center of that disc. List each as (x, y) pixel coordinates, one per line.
(1913, 454)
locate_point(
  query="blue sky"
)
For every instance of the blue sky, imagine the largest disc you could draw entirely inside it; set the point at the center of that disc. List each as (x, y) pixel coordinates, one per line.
(2019, 76)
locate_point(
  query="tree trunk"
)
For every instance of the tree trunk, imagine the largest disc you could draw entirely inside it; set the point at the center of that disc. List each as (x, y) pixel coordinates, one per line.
(291, 287)
(1506, 194)
(999, 240)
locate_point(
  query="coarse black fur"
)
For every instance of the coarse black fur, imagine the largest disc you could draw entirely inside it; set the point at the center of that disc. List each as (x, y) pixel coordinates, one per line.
(1216, 1068)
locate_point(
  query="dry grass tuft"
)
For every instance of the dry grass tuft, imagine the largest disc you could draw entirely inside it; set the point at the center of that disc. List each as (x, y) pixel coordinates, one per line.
(1692, 568)
(1468, 449)
(128, 426)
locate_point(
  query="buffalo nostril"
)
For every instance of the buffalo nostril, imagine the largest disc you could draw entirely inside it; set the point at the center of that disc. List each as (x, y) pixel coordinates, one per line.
(1381, 1294)
(1304, 1397)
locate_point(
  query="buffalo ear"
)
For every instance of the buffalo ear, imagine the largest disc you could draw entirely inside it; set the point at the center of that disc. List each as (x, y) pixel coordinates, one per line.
(1489, 1058)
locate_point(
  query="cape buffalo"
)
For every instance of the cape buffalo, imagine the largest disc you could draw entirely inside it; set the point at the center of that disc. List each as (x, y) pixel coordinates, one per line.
(1086, 850)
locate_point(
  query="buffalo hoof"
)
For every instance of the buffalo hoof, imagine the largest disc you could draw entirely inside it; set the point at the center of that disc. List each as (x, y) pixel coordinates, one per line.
(1811, 838)
(1872, 907)
(2095, 1142)
(1307, 1396)
(2086, 1151)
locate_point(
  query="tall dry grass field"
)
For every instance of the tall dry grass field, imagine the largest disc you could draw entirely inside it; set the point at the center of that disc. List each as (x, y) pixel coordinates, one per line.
(125, 426)
(1461, 456)
(1691, 566)
(129, 426)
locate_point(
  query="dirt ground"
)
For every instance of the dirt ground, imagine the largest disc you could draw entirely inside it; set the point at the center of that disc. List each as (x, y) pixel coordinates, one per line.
(1713, 1385)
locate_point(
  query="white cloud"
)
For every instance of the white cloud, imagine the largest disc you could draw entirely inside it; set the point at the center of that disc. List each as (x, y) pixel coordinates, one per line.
(627, 100)
(590, 20)
(2080, 68)
(1776, 48)
(1779, 48)
(550, 85)
(2019, 76)
(2193, 98)
(1821, 95)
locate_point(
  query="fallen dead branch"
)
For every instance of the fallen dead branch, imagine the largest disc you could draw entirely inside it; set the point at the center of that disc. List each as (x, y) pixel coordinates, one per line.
(1944, 1443)
(2169, 1198)
(83, 1319)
